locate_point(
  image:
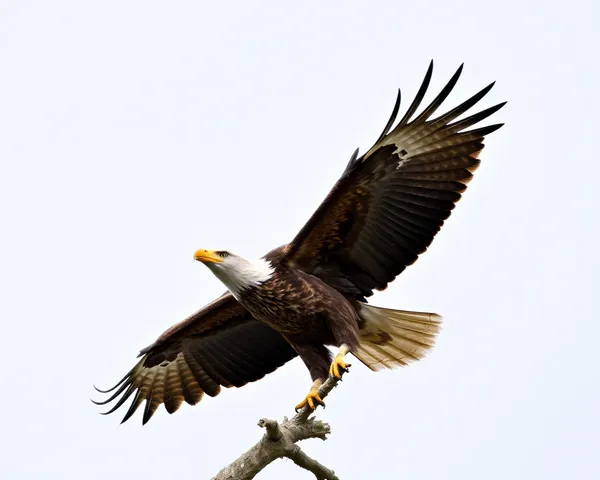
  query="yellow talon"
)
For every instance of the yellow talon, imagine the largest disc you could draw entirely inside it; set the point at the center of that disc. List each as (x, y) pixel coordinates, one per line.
(312, 399)
(338, 367)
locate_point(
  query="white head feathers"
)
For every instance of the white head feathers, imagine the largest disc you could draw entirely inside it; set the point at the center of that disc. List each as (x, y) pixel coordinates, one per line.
(236, 272)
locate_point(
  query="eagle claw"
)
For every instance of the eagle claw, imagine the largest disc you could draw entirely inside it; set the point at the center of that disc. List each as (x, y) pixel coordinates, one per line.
(338, 367)
(312, 399)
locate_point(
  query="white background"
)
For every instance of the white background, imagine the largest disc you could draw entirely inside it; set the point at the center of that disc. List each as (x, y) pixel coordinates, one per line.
(133, 133)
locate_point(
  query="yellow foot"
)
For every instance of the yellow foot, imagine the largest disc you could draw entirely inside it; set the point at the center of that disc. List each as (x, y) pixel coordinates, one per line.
(312, 400)
(338, 367)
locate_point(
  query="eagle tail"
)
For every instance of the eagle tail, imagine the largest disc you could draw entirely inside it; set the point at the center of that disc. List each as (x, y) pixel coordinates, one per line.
(394, 338)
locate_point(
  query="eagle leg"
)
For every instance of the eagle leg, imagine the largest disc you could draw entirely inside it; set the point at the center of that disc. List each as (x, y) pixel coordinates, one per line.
(338, 366)
(312, 398)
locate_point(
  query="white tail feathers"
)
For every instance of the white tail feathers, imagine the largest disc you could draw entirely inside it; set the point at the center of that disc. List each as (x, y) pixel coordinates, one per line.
(394, 338)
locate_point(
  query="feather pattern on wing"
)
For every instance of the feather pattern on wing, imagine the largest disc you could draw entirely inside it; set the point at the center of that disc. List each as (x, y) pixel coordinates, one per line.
(389, 204)
(221, 345)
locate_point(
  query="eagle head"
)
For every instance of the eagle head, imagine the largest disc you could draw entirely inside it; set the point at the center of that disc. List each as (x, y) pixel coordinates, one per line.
(236, 272)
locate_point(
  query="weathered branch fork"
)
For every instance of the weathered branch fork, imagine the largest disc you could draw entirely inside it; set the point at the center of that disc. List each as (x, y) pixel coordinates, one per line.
(280, 440)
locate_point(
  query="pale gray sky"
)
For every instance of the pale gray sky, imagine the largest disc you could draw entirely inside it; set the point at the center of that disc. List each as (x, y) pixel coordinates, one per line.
(134, 133)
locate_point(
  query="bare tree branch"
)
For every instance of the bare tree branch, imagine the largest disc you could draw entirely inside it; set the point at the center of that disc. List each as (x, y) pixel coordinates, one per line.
(280, 441)
(303, 460)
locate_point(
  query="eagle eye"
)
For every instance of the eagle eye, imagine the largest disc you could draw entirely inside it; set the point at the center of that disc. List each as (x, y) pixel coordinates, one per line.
(222, 254)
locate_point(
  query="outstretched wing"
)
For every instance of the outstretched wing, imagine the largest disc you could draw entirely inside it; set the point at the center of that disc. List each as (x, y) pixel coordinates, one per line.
(389, 203)
(220, 345)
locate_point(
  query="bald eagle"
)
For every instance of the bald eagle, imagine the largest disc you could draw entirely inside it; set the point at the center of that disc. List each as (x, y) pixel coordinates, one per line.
(297, 300)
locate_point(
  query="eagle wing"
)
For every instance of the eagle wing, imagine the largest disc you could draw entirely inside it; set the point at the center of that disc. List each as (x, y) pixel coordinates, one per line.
(389, 204)
(220, 345)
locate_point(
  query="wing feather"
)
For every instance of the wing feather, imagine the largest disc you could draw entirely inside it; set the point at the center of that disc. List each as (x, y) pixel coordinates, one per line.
(173, 394)
(141, 394)
(155, 395)
(192, 392)
(418, 98)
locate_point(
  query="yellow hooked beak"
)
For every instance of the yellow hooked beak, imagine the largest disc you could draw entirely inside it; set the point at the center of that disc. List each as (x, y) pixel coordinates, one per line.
(207, 256)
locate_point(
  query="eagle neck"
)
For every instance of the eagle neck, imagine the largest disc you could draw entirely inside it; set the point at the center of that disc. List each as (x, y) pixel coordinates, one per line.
(245, 276)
